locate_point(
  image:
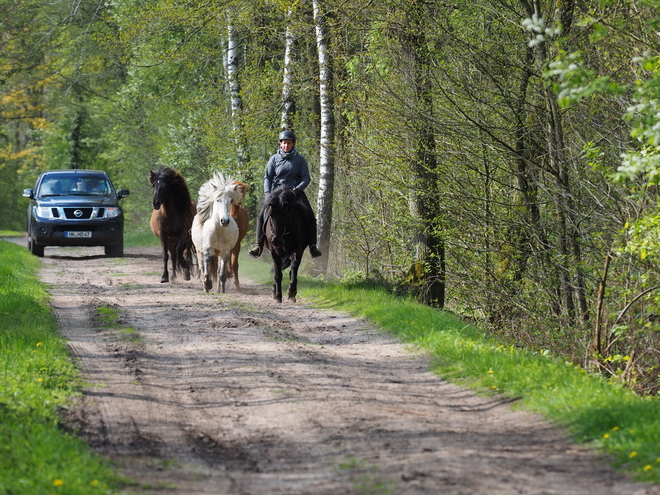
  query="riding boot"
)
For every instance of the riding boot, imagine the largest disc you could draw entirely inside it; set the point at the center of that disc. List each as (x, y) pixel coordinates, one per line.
(255, 251)
(314, 251)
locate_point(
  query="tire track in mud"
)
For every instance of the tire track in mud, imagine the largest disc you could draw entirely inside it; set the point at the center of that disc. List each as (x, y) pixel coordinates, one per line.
(236, 394)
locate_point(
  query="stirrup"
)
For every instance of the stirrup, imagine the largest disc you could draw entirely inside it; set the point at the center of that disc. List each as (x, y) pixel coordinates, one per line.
(315, 251)
(255, 251)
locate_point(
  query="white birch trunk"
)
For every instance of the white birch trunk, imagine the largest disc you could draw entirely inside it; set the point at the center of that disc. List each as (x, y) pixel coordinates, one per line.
(235, 94)
(288, 101)
(327, 140)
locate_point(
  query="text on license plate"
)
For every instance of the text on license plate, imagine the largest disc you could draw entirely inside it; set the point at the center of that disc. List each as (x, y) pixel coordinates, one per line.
(78, 234)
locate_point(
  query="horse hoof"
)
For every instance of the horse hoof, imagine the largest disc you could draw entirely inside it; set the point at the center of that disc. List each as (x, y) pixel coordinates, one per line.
(292, 299)
(164, 280)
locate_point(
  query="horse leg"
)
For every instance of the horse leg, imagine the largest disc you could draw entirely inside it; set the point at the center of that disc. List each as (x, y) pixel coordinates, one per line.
(206, 272)
(164, 242)
(222, 274)
(277, 284)
(233, 265)
(293, 277)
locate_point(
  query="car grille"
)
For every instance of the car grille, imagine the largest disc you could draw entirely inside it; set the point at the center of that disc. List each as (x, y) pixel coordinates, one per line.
(78, 213)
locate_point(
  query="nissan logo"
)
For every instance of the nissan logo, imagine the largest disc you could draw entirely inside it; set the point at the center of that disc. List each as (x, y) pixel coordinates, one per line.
(78, 213)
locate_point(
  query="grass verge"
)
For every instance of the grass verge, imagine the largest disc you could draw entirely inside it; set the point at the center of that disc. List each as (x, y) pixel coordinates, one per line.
(598, 413)
(37, 378)
(11, 233)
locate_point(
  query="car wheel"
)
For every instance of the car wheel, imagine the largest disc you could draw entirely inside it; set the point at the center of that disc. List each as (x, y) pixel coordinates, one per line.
(35, 248)
(116, 251)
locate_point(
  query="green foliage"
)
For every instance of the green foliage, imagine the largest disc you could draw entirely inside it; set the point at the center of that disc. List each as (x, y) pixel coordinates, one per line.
(573, 82)
(37, 378)
(525, 190)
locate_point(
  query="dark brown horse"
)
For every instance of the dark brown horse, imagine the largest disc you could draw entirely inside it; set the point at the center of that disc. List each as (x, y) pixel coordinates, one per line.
(285, 230)
(171, 220)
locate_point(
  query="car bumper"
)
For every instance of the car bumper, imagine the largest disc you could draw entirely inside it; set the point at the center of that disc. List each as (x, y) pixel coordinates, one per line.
(108, 232)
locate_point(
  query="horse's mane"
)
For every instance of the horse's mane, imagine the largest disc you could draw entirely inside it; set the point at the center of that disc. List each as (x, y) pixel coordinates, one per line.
(280, 197)
(214, 187)
(180, 191)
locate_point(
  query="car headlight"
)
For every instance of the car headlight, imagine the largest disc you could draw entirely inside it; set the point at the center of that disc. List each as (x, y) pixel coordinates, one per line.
(44, 212)
(112, 212)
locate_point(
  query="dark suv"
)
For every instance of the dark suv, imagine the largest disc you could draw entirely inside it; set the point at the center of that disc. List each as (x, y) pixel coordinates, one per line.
(75, 208)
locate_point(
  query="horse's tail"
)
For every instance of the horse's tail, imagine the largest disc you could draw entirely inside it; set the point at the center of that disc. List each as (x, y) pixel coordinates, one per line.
(190, 255)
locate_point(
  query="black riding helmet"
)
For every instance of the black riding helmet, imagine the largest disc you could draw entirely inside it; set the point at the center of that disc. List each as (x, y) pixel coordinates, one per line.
(287, 135)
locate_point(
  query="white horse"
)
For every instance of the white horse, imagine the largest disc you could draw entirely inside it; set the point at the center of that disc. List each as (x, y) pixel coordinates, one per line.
(214, 230)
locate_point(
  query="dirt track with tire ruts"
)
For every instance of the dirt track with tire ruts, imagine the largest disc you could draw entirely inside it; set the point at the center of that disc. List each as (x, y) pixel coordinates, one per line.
(194, 393)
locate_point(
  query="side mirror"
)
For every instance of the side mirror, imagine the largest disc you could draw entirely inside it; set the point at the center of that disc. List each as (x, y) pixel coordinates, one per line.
(28, 193)
(122, 193)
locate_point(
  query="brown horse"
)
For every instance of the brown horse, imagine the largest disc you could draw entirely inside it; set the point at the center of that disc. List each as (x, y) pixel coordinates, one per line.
(286, 237)
(240, 215)
(171, 220)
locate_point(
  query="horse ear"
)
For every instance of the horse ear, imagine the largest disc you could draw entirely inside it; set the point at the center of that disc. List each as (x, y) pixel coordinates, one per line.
(151, 176)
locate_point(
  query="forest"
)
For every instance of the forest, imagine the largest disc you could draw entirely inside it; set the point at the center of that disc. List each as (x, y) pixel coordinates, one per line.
(497, 159)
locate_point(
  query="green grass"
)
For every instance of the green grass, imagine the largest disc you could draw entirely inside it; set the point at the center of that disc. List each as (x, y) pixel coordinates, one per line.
(11, 233)
(140, 238)
(37, 378)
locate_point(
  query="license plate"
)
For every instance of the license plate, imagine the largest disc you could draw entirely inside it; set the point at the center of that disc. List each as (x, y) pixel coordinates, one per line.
(84, 235)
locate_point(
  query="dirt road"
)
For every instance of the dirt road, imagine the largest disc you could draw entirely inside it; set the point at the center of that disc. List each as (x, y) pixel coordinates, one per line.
(194, 393)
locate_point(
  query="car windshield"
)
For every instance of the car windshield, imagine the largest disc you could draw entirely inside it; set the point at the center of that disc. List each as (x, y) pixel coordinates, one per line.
(92, 185)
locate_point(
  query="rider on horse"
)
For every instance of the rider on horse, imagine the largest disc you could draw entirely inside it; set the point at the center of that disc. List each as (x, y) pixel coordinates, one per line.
(288, 168)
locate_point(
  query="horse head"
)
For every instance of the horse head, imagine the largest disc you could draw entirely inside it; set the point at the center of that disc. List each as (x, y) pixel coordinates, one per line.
(160, 185)
(167, 183)
(280, 205)
(217, 196)
(160, 193)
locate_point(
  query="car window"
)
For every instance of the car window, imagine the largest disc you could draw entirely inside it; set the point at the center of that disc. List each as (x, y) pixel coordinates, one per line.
(76, 185)
(51, 187)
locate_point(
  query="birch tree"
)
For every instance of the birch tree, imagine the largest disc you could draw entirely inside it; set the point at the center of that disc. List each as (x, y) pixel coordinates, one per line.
(327, 139)
(235, 95)
(288, 100)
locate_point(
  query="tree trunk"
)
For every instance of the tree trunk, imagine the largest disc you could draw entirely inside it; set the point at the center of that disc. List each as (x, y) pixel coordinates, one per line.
(425, 166)
(327, 140)
(569, 258)
(288, 101)
(236, 101)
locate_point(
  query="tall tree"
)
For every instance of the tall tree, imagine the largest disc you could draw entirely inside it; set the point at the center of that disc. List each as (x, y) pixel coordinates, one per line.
(235, 93)
(327, 141)
(431, 254)
(288, 99)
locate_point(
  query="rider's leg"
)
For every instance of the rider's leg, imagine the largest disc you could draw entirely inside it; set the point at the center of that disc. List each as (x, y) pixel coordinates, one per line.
(311, 226)
(313, 249)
